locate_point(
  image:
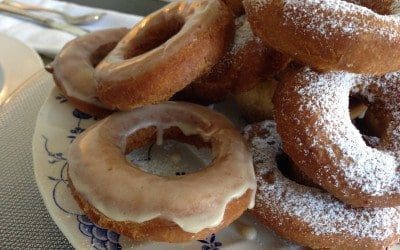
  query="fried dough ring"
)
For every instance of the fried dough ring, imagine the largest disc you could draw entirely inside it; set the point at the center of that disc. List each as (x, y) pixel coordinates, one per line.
(244, 65)
(145, 206)
(73, 69)
(164, 52)
(307, 215)
(313, 120)
(331, 34)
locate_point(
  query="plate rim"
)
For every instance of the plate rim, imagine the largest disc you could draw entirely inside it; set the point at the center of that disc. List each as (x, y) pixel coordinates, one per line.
(24, 52)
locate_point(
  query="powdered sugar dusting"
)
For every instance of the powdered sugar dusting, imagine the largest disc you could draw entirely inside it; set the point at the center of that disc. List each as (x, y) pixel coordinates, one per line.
(258, 4)
(319, 210)
(372, 170)
(243, 34)
(328, 18)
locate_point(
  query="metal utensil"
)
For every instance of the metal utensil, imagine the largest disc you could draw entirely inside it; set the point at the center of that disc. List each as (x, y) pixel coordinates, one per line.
(43, 20)
(76, 20)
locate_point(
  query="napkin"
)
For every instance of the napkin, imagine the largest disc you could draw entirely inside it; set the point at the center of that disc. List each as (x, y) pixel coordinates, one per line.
(50, 41)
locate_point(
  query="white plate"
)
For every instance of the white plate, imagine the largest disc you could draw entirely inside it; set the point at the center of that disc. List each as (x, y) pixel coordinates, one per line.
(24, 223)
(17, 63)
(58, 123)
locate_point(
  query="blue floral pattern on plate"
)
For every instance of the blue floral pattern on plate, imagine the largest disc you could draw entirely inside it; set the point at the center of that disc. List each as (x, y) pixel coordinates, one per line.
(210, 243)
(100, 238)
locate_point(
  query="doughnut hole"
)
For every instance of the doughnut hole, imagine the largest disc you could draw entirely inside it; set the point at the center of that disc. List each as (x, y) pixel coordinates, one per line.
(288, 168)
(177, 155)
(101, 53)
(369, 121)
(154, 37)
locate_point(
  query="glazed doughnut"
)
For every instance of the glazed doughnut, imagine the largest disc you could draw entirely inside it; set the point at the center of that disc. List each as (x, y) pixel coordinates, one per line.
(143, 206)
(310, 216)
(331, 34)
(246, 62)
(311, 110)
(73, 69)
(164, 52)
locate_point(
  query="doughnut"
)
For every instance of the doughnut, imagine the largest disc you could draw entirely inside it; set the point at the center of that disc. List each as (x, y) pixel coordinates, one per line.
(244, 64)
(309, 216)
(73, 69)
(236, 6)
(164, 52)
(331, 35)
(256, 104)
(119, 196)
(311, 112)
(291, 171)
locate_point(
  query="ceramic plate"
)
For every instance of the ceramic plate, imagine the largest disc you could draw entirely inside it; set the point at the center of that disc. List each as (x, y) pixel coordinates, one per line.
(58, 124)
(17, 63)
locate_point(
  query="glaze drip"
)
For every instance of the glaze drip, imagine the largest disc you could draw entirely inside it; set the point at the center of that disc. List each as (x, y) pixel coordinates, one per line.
(101, 174)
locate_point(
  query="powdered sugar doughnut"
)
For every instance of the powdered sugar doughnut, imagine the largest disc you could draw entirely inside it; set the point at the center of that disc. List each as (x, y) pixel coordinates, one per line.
(331, 34)
(314, 122)
(246, 62)
(310, 216)
(165, 52)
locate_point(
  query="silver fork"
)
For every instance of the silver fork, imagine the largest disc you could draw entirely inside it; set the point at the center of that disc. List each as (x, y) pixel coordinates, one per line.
(75, 20)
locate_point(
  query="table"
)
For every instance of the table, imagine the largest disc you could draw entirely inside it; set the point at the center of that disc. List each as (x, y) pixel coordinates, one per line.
(41, 232)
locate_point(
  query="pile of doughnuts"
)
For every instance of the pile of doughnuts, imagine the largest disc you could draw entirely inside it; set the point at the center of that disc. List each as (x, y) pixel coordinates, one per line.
(318, 81)
(328, 177)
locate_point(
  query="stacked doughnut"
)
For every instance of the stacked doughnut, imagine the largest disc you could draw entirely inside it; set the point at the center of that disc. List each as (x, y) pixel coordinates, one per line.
(325, 181)
(322, 181)
(122, 69)
(136, 72)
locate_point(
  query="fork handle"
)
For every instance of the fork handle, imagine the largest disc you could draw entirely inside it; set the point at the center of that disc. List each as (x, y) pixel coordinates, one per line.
(34, 7)
(43, 20)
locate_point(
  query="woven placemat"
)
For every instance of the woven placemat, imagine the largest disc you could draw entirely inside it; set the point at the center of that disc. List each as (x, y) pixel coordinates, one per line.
(24, 221)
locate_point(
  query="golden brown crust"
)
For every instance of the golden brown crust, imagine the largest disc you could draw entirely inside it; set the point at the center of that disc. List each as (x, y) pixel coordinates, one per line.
(88, 108)
(374, 49)
(73, 69)
(236, 6)
(295, 212)
(302, 131)
(160, 229)
(229, 151)
(295, 230)
(243, 67)
(164, 69)
(256, 104)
